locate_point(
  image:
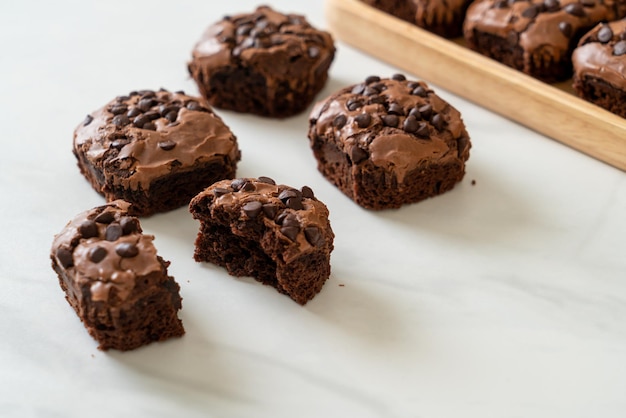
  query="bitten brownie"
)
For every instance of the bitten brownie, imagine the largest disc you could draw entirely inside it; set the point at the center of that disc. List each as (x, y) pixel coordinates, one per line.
(599, 67)
(155, 149)
(279, 235)
(114, 279)
(265, 63)
(538, 36)
(388, 142)
(442, 17)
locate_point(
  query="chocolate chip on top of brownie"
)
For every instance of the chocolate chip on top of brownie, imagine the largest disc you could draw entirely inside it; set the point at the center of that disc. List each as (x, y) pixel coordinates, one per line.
(265, 62)
(144, 146)
(537, 36)
(377, 139)
(599, 62)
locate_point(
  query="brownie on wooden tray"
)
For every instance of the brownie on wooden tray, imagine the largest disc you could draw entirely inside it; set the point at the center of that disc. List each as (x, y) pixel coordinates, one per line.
(537, 36)
(279, 235)
(265, 62)
(599, 67)
(388, 142)
(155, 149)
(114, 279)
(443, 17)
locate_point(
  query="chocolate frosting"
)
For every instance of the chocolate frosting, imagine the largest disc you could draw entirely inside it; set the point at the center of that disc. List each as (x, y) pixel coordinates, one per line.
(601, 54)
(269, 42)
(550, 24)
(104, 250)
(399, 125)
(295, 217)
(146, 135)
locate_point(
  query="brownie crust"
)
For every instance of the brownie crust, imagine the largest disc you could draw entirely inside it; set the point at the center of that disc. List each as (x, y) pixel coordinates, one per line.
(266, 63)
(114, 279)
(155, 149)
(388, 142)
(279, 235)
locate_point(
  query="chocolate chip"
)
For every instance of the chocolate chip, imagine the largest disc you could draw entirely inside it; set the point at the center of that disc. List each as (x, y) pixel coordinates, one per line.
(422, 131)
(426, 111)
(129, 225)
(619, 48)
(140, 121)
(501, 4)
(152, 115)
(167, 145)
(530, 12)
(88, 120)
(244, 30)
(419, 91)
(252, 209)
(267, 180)
(118, 109)
(220, 191)
(588, 3)
(290, 232)
(370, 91)
(307, 192)
(172, 116)
(566, 29)
(290, 219)
(88, 229)
(314, 52)
(247, 187)
(149, 126)
(605, 34)
(357, 155)
(146, 94)
(395, 109)
(113, 232)
(398, 77)
(438, 122)
(193, 105)
(358, 89)
(575, 9)
(120, 120)
(237, 183)
(146, 104)
(410, 124)
(181, 92)
(122, 98)
(390, 120)
(363, 120)
(134, 112)
(270, 210)
(314, 236)
(294, 203)
(287, 194)
(376, 99)
(105, 218)
(354, 104)
(551, 5)
(97, 254)
(372, 79)
(339, 121)
(65, 257)
(127, 250)
(415, 113)
(281, 218)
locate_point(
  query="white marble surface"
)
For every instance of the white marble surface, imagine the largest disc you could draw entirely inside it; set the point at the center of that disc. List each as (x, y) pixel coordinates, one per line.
(506, 298)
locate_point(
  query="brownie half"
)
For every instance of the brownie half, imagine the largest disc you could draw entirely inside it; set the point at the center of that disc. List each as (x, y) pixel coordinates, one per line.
(442, 17)
(266, 63)
(155, 149)
(279, 235)
(388, 142)
(538, 36)
(599, 63)
(114, 279)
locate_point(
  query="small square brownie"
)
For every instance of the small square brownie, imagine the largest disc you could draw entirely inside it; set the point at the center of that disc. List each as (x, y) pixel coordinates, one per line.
(599, 63)
(266, 63)
(279, 235)
(537, 36)
(114, 279)
(388, 142)
(155, 149)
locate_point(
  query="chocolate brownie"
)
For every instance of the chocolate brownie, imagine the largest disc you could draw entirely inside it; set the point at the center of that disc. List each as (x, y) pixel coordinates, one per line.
(279, 235)
(599, 63)
(266, 63)
(443, 17)
(114, 279)
(388, 142)
(538, 36)
(155, 149)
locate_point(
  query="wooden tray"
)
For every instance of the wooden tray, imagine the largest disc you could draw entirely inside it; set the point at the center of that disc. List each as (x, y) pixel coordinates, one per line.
(548, 109)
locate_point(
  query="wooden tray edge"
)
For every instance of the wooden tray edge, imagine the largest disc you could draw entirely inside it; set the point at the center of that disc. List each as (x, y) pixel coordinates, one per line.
(521, 98)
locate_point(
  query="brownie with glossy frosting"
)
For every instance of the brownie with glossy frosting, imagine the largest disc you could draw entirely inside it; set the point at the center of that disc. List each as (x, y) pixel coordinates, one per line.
(155, 149)
(115, 280)
(442, 17)
(277, 234)
(535, 36)
(266, 63)
(389, 142)
(600, 67)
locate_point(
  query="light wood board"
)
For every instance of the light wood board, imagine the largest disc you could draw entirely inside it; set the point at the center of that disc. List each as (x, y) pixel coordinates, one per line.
(545, 108)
